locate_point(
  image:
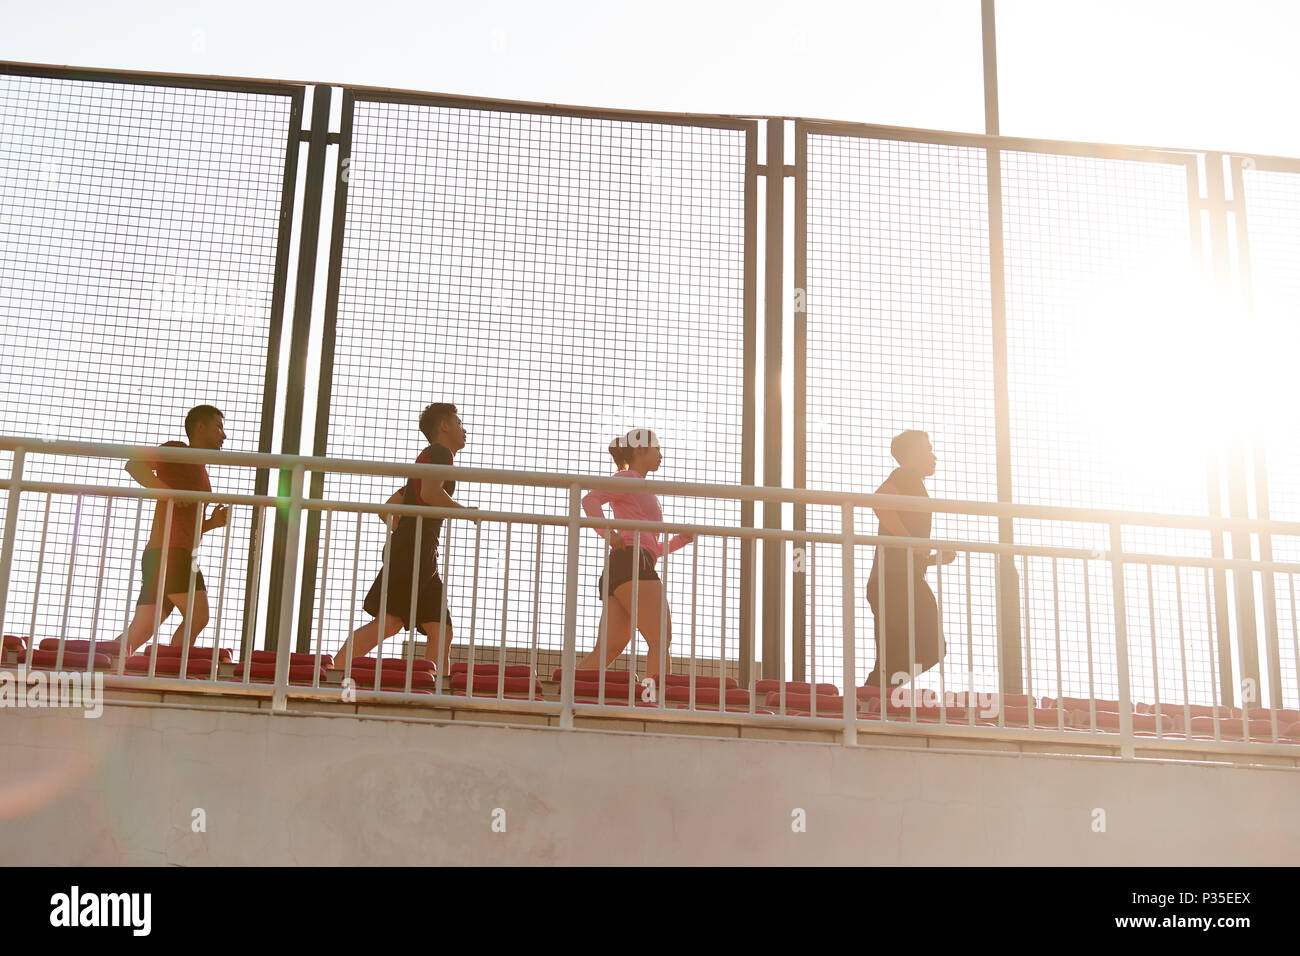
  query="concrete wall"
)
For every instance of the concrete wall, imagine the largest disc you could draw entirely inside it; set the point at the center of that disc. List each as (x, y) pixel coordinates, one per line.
(300, 789)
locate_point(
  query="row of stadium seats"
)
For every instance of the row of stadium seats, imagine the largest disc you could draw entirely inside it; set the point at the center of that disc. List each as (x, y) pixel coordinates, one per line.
(800, 698)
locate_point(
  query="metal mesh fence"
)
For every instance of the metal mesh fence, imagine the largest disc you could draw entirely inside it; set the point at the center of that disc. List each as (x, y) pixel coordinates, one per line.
(898, 337)
(561, 279)
(1107, 365)
(1273, 221)
(1104, 318)
(139, 228)
(564, 277)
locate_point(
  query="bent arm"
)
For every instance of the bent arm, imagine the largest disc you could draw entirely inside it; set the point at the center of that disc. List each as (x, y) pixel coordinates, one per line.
(434, 494)
(679, 541)
(394, 499)
(143, 474)
(218, 518)
(593, 505)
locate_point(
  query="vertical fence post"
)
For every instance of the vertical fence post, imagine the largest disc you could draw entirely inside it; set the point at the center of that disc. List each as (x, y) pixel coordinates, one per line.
(296, 379)
(1121, 640)
(569, 654)
(748, 546)
(773, 607)
(293, 518)
(849, 598)
(799, 596)
(11, 528)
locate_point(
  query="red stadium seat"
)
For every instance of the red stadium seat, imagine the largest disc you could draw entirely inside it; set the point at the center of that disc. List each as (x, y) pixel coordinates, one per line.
(108, 646)
(487, 684)
(952, 714)
(1020, 715)
(71, 660)
(1015, 700)
(264, 671)
(1106, 720)
(391, 677)
(1197, 710)
(706, 695)
(1293, 731)
(613, 692)
(1284, 717)
(268, 657)
(1231, 728)
(592, 675)
(512, 670)
(224, 654)
(826, 703)
(923, 697)
(1081, 703)
(733, 710)
(169, 666)
(12, 643)
(390, 663)
(684, 680)
(795, 687)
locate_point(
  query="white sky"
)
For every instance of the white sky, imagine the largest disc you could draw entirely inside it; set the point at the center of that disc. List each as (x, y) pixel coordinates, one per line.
(1189, 73)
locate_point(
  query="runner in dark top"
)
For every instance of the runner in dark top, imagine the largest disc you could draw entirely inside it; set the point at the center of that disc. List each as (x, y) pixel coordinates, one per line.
(205, 428)
(441, 425)
(916, 462)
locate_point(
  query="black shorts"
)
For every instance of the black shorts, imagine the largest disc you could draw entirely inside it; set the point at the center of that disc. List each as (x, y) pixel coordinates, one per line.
(175, 581)
(430, 597)
(619, 567)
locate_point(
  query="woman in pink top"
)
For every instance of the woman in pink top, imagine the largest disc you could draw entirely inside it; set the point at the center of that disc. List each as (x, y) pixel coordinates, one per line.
(636, 454)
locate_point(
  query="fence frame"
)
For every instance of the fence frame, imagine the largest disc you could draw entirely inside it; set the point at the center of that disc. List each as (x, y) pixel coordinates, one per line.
(994, 146)
(296, 93)
(352, 96)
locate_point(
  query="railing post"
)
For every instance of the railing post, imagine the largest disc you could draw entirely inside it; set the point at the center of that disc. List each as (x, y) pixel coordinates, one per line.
(11, 528)
(569, 655)
(1121, 640)
(849, 598)
(293, 518)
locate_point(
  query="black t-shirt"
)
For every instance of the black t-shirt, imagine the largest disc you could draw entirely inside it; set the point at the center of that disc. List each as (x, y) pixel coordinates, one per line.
(907, 483)
(404, 536)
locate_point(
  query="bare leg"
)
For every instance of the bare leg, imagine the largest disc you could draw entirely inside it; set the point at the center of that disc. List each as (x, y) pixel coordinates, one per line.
(618, 631)
(652, 617)
(141, 630)
(198, 617)
(440, 654)
(364, 639)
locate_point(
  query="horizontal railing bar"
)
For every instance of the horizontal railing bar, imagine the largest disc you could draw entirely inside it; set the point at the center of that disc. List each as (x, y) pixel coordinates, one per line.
(609, 483)
(771, 534)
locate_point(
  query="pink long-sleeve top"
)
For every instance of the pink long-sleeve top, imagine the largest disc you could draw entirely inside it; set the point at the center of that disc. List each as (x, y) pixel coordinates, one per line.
(632, 506)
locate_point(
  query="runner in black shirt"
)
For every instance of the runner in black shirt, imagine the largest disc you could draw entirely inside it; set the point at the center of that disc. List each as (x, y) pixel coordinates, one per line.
(441, 425)
(916, 462)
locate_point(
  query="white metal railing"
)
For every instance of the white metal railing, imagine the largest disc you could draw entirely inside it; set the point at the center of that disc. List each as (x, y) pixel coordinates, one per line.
(949, 700)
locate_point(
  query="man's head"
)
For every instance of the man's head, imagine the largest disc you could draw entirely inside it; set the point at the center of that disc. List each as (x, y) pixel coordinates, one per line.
(912, 450)
(639, 449)
(441, 425)
(205, 427)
